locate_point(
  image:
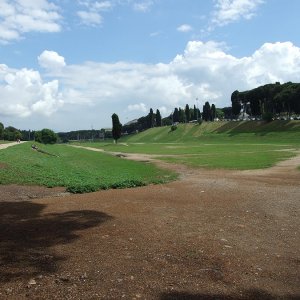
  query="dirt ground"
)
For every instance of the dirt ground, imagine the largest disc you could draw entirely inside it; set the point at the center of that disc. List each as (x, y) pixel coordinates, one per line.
(209, 235)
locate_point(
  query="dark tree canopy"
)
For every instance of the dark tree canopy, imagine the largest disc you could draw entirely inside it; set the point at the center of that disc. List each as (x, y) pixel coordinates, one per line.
(187, 113)
(151, 118)
(176, 115)
(206, 115)
(272, 98)
(11, 134)
(158, 118)
(46, 136)
(213, 112)
(1, 130)
(116, 127)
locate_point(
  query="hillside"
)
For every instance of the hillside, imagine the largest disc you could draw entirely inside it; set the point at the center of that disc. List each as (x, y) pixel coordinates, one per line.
(286, 130)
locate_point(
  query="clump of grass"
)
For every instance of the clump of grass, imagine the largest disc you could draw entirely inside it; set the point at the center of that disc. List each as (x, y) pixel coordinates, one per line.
(128, 183)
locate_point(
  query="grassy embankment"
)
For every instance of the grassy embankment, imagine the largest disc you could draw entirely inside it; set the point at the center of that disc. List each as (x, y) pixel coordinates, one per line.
(77, 169)
(231, 145)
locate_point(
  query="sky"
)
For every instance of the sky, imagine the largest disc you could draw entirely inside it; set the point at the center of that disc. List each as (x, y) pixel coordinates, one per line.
(71, 64)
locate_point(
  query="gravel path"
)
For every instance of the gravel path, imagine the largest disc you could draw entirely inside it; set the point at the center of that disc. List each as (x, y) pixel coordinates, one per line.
(4, 146)
(213, 234)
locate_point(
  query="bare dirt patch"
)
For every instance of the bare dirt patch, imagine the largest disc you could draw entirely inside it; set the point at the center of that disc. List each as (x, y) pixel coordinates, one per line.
(213, 234)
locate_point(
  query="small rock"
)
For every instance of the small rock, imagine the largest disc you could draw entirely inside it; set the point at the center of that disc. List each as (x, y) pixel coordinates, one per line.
(31, 282)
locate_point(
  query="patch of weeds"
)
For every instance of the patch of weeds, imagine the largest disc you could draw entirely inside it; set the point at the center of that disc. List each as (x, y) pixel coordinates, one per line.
(128, 183)
(82, 188)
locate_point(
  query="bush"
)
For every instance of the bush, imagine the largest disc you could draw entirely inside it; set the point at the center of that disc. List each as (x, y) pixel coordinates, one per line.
(89, 188)
(129, 183)
(267, 117)
(46, 136)
(173, 127)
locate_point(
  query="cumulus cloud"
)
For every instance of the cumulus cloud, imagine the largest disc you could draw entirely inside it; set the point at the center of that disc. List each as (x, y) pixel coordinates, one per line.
(228, 11)
(204, 71)
(91, 15)
(18, 17)
(23, 93)
(51, 60)
(185, 28)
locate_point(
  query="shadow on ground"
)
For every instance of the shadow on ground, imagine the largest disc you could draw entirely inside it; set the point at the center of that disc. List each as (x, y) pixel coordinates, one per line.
(26, 237)
(246, 295)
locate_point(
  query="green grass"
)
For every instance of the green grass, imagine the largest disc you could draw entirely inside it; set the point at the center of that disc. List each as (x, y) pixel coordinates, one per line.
(229, 145)
(78, 170)
(233, 160)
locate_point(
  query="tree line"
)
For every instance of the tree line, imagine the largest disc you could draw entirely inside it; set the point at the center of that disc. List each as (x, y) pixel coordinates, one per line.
(10, 133)
(179, 115)
(270, 99)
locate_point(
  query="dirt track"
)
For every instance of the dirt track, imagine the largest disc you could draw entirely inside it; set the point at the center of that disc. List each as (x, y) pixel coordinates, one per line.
(210, 235)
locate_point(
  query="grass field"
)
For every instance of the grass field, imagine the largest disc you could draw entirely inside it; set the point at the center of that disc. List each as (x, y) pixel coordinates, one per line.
(230, 145)
(77, 169)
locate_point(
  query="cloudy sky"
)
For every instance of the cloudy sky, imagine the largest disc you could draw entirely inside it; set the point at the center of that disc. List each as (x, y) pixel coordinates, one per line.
(70, 64)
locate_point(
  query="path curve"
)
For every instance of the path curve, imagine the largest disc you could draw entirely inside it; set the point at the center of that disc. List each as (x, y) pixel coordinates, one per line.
(4, 146)
(284, 170)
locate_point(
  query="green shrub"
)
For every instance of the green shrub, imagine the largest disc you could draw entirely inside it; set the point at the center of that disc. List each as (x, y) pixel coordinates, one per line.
(129, 183)
(173, 127)
(267, 117)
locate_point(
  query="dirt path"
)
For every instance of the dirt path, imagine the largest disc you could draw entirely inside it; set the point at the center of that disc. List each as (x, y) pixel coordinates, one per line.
(4, 146)
(213, 234)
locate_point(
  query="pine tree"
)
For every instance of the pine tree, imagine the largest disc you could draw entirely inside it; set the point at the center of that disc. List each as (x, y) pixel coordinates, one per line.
(117, 127)
(158, 118)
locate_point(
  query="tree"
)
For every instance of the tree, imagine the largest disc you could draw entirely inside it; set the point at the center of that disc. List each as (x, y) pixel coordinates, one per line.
(158, 118)
(206, 115)
(46, 136)
(236, 104)
(117, 127)
(187, 113)
(213, 112)
(181, 115)
(176, 115)
(220, 113)
(196, 116)
(11, 133)
(1, 130)
(151, 119)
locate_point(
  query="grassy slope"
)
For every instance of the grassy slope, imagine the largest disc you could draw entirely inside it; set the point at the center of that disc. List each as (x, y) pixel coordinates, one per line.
(79, 169)
(233, 145)
(279, 131)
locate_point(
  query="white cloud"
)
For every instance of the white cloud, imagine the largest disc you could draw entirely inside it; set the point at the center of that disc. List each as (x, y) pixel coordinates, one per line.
(185, 28)
(141, 107)
(51, 60)
(19, 16)
(228, 11)
(91, 16)
(142, 6)
(95, 90)
(23, 93)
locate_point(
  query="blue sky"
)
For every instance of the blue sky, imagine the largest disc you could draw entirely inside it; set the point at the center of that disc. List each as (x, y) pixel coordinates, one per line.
(70, 64)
